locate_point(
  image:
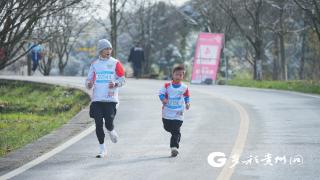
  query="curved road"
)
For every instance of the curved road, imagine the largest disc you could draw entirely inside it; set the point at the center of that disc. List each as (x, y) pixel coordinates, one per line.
(265, 134)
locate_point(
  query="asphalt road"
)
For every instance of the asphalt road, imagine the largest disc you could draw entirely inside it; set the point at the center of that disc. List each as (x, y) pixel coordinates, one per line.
(275, 134)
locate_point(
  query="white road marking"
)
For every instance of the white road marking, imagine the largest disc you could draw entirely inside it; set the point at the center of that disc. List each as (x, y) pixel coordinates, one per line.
(48, 154)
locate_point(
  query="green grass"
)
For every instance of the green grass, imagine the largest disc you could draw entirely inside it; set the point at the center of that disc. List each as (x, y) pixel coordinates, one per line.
(299, 86)
(31, 110)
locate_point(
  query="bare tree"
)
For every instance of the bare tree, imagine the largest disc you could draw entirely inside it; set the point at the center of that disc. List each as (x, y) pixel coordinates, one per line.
(281, 34)
(250, 27)
(141, 31)
(69, 28)
(45, 30)
(17, 21)
(116, 17)
(277, 25)
(303, 52)
(213, 18)
(276, 63)
(313, 56)
(45, 64)
(284, 24)
(312, 10)
(155, 25)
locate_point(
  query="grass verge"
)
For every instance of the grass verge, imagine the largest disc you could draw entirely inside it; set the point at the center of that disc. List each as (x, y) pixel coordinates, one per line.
(299, 86)
(30, 110)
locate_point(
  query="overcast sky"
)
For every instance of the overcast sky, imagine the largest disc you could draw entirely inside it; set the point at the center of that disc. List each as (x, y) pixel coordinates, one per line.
(103, 11)
(178, 2)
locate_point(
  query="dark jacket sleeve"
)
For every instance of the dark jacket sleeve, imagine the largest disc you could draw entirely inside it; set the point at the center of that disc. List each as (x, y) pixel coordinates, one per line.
(130, 55)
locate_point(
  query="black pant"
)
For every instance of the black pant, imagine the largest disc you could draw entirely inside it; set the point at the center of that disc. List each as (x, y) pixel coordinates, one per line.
(137, 70)
(100, 111)
(173, 126)
(35, 64)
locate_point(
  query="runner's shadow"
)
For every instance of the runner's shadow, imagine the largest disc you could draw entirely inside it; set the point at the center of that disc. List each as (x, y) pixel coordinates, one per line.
(131, 161)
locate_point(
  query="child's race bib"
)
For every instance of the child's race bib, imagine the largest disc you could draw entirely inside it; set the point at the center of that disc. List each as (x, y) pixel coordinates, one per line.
(174, 103)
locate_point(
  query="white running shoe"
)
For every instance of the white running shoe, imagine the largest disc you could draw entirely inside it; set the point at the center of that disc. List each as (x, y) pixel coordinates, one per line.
(174, 152)
(102, 152)
(113, 136)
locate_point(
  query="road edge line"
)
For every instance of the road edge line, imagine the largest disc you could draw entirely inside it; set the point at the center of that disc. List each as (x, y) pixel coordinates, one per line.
(49, 154)
(240, 141)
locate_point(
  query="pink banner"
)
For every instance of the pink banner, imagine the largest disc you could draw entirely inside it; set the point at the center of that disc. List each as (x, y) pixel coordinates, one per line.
(207, 57)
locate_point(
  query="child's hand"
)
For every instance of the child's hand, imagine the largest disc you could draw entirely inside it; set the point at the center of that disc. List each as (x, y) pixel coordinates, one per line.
(165, 101)
(187, 106)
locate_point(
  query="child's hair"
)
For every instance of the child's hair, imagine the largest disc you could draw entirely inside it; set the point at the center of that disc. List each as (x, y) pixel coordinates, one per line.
(179, 68)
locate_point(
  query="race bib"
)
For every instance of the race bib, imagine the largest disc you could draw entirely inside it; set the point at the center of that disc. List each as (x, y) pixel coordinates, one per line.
(174, 103)
(104, 76)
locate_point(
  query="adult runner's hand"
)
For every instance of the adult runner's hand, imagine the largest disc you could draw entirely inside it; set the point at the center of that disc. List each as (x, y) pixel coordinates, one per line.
(112, 84)
(89, 84)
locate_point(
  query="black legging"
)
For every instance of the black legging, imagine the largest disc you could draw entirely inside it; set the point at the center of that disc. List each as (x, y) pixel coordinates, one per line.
(100, 111)
(173, 126)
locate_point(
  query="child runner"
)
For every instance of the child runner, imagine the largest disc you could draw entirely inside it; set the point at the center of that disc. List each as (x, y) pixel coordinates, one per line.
(175, 98)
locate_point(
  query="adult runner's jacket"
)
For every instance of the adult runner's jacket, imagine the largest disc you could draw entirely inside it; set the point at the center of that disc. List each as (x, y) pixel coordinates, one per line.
(101, 72)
